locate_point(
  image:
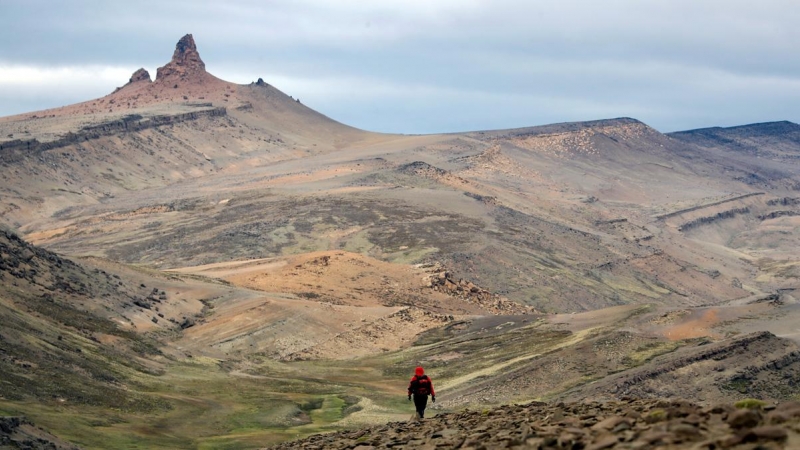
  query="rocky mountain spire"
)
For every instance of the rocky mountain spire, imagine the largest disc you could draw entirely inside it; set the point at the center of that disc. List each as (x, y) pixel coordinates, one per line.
(185, 61)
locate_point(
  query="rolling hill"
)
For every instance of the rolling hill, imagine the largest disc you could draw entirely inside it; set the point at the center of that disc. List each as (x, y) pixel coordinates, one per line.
(188, 262)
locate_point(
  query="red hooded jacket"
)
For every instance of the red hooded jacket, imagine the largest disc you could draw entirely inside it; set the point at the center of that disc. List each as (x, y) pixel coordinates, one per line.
(420, 384)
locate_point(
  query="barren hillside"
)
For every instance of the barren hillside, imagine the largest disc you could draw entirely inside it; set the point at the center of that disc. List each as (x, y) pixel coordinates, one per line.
(191, 262)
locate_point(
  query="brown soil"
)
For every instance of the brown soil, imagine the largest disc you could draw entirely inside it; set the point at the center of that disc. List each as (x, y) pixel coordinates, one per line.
(344, 305)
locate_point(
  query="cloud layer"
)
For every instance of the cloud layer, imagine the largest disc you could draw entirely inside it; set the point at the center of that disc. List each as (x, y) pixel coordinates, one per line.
(431, 66)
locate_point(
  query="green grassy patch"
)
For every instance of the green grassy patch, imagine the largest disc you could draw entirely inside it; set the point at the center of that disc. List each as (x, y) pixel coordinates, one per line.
(209, 408)
(750, 403)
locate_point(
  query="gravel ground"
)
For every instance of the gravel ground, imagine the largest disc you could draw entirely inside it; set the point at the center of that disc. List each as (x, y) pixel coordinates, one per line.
(626, 424)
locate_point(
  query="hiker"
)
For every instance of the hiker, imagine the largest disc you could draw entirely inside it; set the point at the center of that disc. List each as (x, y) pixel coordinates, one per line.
(420, 387)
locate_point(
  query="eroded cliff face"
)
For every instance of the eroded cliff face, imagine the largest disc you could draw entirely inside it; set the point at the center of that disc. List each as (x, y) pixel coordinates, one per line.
(11, 151)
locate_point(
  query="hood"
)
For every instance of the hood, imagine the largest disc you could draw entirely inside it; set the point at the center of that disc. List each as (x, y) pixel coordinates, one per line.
(419, 371)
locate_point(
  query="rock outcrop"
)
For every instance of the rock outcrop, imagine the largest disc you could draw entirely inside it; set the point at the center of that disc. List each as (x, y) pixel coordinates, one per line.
(140, 75)
(441, 280)
(17, 150)
(728, 214)
(185, 62)
(139, 78)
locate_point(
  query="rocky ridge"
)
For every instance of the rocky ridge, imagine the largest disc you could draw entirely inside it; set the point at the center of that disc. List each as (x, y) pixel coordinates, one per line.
(768, 371)
(624, 424)
(17, 150)
(441, 280)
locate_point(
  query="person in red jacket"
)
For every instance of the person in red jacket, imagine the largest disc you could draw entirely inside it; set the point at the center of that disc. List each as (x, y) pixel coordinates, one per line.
(420, 388)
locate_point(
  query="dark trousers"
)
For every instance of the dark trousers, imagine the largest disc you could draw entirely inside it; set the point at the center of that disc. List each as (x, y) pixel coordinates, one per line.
(420, 401)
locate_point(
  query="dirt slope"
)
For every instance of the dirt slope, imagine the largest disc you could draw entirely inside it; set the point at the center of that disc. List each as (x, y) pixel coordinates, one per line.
(185, 124)
(334, 305)
(263, 330)
(66, 335)
(563, 217)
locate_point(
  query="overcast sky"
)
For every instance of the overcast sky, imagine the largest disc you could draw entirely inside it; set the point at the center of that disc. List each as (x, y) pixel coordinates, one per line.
(423, 66)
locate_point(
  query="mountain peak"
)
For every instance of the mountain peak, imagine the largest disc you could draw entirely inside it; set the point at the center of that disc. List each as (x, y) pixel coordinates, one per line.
(185, 61)
(186, 52)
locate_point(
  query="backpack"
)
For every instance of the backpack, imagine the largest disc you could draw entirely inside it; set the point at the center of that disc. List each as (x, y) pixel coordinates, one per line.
(421, 385)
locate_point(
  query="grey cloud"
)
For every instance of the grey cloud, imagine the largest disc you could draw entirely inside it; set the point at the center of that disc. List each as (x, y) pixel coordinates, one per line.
(676, 64)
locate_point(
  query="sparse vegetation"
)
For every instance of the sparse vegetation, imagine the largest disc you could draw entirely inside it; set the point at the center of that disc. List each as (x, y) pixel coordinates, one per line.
(656, 415)
(750, 403)
(740, 385)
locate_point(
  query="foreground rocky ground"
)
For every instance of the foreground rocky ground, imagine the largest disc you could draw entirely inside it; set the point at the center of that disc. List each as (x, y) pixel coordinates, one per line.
(627, 424)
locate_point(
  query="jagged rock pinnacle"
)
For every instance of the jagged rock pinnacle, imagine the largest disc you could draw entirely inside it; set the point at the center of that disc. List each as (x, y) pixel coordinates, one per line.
(186, 53)
(140, 75)
(185, 61)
